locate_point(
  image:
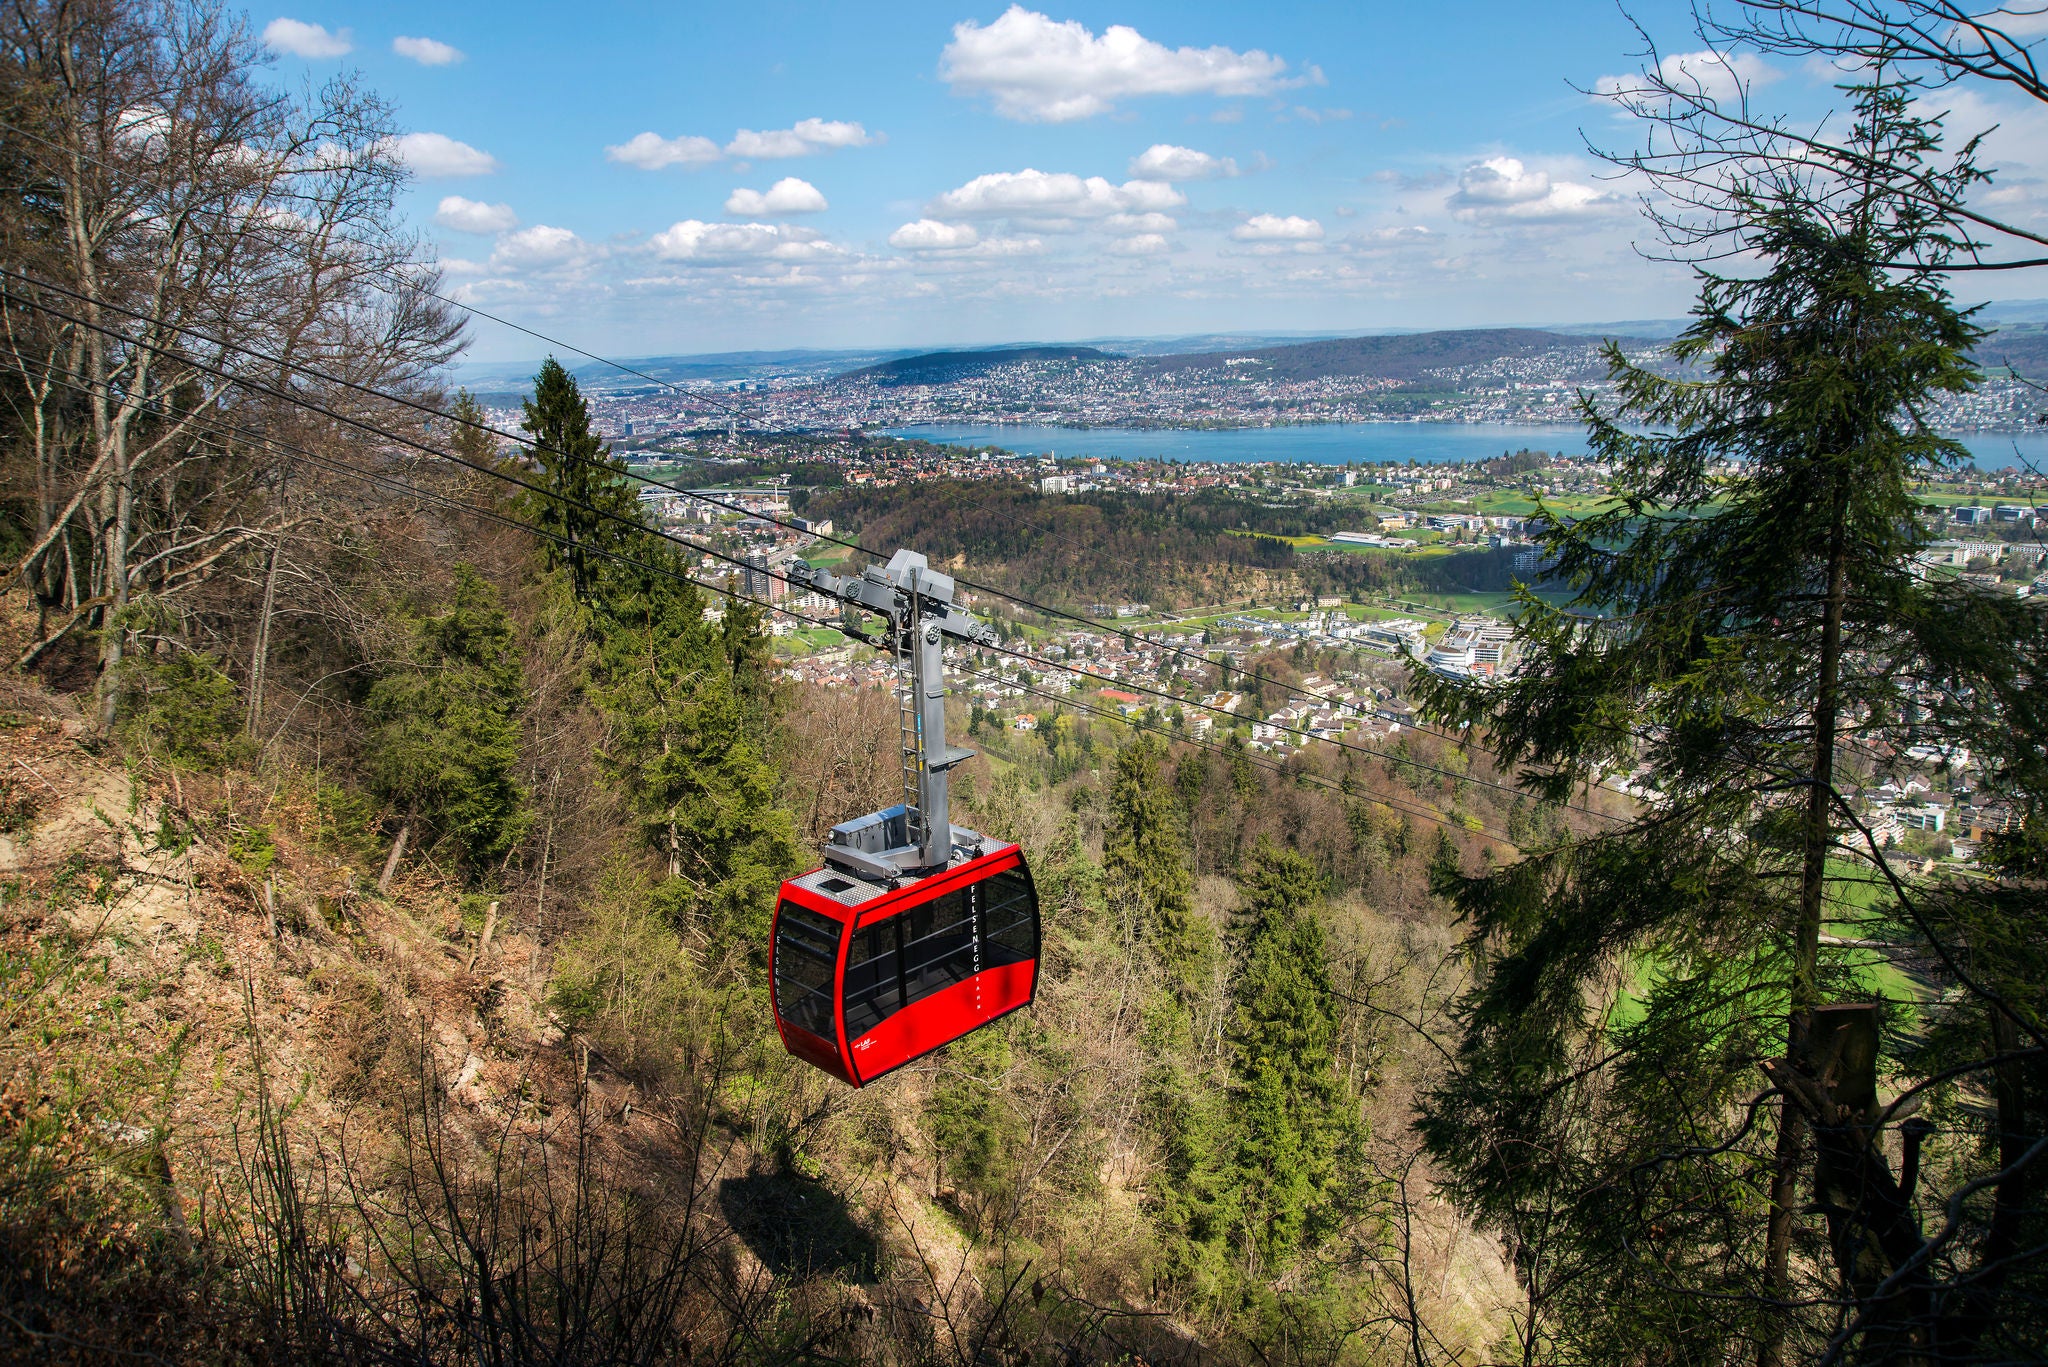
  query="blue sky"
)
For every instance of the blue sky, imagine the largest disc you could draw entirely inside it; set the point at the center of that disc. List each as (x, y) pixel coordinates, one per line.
(682, 178)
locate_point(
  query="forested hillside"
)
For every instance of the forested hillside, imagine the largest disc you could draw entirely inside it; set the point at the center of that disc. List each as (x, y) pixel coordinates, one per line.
(1401, 357)
(1169, 549)
(944, 367)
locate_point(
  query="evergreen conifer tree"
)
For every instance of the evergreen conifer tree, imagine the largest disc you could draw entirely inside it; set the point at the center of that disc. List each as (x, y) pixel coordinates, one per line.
(1198, 1201)
(1749, 607)
(443, 747)
(686, 701)
(470, 440)
(1296, 1125)
(1145, 864)
(687, 710)
(587, 489)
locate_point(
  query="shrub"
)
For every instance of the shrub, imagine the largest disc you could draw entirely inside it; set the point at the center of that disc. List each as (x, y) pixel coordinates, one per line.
(181, 708)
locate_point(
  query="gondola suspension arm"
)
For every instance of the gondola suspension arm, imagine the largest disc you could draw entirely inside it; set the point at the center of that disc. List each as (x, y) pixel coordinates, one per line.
(917, 604)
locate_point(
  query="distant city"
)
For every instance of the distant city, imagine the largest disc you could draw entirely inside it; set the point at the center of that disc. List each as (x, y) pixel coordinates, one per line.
(1507, 376)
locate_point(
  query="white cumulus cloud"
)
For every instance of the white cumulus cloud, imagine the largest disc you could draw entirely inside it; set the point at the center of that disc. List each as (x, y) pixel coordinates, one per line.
(301, 39)
(652, 152)
(1164, 161)
(802, 139)
(1053, 195)
(695, 241)
(1712, 75)
(1139, 223)
(786, 196)
(1275, 228)
(1039, 70)
(437, 154)
(1504, 188)
(538, 248)
(1144, 244)
(1007, 246)
(474, 216)
(930, 235)
(427, 51)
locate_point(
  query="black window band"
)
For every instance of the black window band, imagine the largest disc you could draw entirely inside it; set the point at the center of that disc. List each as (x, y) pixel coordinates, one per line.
(931, 946)
(806, 953)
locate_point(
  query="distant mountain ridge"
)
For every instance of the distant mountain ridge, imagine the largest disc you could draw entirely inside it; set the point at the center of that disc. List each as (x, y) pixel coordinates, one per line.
(2024, 348)
(1402, 357)
(946, 367)
(2021, 340)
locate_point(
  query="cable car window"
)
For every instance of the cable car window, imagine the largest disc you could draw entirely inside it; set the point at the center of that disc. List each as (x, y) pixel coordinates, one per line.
(909, 956)
(938, 945)
(875, 987)
(1009, 925)
(806, 950)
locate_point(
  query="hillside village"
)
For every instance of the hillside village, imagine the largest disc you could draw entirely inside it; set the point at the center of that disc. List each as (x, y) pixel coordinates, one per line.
(1183, 670)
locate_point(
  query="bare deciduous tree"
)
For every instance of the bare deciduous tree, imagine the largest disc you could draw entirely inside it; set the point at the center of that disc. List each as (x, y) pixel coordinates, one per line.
(179, 231)
(1706, 137)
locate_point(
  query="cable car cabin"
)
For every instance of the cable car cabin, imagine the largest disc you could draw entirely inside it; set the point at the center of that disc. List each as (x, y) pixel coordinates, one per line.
(868, 978)
(916, 931)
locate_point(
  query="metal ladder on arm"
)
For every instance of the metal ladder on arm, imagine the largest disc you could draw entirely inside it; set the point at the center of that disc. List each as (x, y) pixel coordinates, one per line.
(910, 745)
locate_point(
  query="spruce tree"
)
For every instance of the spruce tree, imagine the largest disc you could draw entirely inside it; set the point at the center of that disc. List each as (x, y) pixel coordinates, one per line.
(1149, 884)
(470, 440)
(443, 744)
(1197, 1203)
(587, 490)
(1642, 1059)
(687, 711)
(1145, 864)
(1296, 1126)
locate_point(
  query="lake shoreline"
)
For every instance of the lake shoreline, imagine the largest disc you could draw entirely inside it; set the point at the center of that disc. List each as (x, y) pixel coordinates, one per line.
(1340, 443)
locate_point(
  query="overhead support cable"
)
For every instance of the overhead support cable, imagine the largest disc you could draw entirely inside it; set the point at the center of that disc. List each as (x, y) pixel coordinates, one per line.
(392, 482)
(697, 396)
(371, 428)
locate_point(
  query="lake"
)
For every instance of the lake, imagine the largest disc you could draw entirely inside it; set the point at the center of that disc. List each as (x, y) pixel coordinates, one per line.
(1339, 443)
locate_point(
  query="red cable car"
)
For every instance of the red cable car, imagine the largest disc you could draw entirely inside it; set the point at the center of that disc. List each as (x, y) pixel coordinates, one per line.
(868, 978)
(916, 931)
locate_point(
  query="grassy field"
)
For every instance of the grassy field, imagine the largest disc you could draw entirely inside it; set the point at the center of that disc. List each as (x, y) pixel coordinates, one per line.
(1359, 612)
(1853, 891)
(819, 638)
(1464, 602)
(1514, 503)
(807, 640)
(1980, 500)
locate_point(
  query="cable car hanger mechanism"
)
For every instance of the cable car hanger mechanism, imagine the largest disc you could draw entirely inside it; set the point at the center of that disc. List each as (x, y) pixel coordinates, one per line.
(915, 837)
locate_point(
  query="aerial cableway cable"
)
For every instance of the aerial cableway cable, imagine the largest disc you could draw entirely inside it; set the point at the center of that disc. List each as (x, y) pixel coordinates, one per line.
(730, 410)
(403, 282)
(389, 481)
(699, 397)
(889, 951)
(428, 410)
(373, 429)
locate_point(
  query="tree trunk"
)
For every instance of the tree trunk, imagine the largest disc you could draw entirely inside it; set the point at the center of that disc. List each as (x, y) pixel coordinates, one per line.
(259, 659)
(1806, 931)
(391, 864)
(113, 627)
(2009, 1203)
(483, 944)
(547, 846)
